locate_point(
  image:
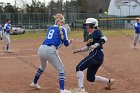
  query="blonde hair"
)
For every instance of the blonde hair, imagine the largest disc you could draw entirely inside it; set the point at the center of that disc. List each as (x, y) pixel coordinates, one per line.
(60, 18)
(137, 18)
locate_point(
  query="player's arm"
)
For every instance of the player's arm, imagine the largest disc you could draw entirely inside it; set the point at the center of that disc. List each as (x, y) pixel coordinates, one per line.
(102, 40)
(66, 40)
(5, 28)
(99, 38)
(84, 49)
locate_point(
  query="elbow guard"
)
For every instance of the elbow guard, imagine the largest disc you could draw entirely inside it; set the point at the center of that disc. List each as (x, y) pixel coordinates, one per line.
(103, 40)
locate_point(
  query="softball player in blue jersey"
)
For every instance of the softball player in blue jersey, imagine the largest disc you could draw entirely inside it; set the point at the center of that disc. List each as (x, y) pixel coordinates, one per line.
(1, 32)
(137, 31)
(94, 60)
(7, 28)
(56, 36)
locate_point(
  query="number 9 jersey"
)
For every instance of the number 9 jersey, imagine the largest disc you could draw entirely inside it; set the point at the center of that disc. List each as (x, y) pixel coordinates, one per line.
(53, 37)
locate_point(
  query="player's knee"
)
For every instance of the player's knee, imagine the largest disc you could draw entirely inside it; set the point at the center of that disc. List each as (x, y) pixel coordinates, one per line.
(91, 79)
(78, 68)
(42, 68)
(61, 70)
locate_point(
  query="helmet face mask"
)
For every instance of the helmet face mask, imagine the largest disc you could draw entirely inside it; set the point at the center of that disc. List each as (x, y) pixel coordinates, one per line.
(90, 25)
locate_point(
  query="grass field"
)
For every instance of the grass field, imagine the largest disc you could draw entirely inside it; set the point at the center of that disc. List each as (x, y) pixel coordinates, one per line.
(74, 34)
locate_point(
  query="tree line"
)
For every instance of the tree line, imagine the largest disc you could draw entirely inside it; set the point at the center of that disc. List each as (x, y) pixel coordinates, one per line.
(73, 6)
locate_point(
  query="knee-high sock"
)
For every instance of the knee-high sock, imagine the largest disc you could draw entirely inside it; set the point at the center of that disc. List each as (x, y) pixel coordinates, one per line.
(37, 76)
(101, 79)
(7, 47)
(80, 76)
(61, 81)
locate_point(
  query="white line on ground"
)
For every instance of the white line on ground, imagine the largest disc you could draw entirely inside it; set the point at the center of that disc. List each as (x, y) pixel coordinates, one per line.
(22, 50)
(18, 57)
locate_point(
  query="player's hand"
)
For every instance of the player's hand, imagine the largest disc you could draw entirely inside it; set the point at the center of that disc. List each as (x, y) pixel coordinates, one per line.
(76, 51)
(71, 40)
(92, 47)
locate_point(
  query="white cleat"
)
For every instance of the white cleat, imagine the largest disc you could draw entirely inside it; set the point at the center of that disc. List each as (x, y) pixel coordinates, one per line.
(110, 83)
(79, 90)
(67, 91)
(8, 51)
(36, 86)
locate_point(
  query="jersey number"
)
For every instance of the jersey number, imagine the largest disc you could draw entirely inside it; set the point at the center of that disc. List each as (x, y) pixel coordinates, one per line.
(50, 34)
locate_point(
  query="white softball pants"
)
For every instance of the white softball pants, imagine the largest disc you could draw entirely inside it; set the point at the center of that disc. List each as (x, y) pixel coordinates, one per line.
(50, 54)
(7, 38)
(0, 34)
(136, 38)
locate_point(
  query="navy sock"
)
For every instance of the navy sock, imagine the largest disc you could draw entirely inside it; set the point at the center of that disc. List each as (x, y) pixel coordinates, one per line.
(7, 47)
(37, 76)
(62, 80)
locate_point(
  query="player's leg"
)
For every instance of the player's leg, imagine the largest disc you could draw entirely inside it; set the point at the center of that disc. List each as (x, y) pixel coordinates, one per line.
(136, 37)
(1, 35)
(85, 63)
(91, 74)
(40, 70)
(85, 35)
(56, 62)
(7, 40)
(139, 38)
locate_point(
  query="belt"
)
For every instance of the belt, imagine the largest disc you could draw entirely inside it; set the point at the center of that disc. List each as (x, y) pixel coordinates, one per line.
(50, 45)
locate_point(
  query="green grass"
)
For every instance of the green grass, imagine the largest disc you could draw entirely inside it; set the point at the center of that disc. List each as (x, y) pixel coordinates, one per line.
(73, 34)
(121, 32)
(32, 35)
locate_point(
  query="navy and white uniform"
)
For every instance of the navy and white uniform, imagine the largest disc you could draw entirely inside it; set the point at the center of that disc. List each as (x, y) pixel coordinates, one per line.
(1, 32)
(95, 58)
(137, 32)
(7, 28)
(48, 53)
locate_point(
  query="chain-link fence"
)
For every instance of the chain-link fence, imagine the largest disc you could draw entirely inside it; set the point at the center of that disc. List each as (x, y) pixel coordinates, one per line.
(75, 20)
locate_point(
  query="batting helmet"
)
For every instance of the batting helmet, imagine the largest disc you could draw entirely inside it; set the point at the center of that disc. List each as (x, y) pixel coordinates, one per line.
(92, 21)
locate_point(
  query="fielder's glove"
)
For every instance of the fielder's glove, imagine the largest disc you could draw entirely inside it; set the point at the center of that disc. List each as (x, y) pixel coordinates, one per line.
(71, 40)
(76, 51)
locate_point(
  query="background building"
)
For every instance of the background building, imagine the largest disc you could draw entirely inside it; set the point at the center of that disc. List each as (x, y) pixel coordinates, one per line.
(124, 8)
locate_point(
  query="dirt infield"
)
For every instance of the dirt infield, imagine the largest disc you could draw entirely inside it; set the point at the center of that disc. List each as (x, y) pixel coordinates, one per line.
(17, 69)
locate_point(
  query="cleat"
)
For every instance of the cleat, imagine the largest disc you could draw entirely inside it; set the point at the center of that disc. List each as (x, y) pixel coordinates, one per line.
(109, 84)
(36, 86)
(67, 91)
(79, 90)
(8, 51)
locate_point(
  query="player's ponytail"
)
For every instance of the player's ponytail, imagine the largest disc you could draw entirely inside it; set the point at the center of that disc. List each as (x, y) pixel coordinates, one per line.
(59, 21)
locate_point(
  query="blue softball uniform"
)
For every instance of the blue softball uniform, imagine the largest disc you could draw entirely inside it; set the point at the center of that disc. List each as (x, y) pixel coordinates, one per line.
(7, 28)
(137, 27)
(53, 37)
